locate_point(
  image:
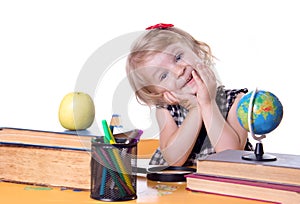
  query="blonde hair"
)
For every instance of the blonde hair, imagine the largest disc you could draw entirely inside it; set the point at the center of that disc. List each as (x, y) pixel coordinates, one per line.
(151, 43)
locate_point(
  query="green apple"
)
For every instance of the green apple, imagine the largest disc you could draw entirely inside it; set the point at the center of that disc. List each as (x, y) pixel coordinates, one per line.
(76, 111)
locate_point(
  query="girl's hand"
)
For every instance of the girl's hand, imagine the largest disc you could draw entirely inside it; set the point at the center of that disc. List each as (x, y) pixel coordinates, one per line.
(188, 101)
(207, 85)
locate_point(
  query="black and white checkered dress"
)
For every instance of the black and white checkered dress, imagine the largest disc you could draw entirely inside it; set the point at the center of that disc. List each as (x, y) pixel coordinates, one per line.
(225, 98)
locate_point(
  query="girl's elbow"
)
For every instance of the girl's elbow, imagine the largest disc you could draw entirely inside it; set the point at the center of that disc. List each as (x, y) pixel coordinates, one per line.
(173, 160)
(221, 148)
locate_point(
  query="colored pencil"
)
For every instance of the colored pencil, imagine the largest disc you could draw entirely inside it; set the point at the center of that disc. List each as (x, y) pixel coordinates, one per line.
(116, 157)
(115, 122)
(100, 157)
(107, 160)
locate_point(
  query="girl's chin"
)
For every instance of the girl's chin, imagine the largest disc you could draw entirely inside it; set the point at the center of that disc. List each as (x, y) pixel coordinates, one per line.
(188, 90)
(192, 90)
(191, 87)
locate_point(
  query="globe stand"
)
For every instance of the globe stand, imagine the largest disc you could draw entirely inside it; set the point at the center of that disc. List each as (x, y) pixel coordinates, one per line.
(259, 155)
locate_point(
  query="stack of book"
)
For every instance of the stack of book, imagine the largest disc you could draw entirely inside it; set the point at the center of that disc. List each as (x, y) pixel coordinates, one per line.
(47, 158)
(226, 173)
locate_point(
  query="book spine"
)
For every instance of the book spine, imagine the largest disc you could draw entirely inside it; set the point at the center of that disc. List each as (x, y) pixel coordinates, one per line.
(277, 186)
(233, 196)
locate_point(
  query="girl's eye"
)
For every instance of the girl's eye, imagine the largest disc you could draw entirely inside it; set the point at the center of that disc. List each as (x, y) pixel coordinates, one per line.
(163, 76)
(178, 57)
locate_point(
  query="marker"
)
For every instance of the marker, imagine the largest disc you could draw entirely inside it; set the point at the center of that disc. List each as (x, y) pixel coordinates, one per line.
(110, 140)
(134, 135)
(107, 133)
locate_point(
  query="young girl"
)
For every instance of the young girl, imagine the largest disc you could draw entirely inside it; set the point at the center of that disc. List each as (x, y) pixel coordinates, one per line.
(169, 69)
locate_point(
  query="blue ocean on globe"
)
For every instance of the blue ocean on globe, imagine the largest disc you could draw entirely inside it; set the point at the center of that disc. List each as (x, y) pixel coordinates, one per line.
(267, 112)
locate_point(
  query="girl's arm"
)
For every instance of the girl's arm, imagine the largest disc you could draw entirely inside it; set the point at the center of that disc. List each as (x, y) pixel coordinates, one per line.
(176, 143)
(223, 134)
(232, 120)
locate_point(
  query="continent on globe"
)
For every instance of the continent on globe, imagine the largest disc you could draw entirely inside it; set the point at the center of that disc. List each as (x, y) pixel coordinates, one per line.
(267, 112)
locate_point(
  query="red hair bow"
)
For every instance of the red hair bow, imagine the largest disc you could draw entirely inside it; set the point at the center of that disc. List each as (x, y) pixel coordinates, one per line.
(160, 26)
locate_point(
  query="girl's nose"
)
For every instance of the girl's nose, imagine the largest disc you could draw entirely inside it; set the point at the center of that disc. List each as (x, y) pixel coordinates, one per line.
(179, 70)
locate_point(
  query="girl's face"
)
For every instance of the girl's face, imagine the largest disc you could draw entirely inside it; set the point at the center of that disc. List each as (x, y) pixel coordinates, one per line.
(171, 70)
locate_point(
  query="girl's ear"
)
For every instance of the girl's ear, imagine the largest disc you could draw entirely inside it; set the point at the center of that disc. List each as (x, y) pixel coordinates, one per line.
(169, 98)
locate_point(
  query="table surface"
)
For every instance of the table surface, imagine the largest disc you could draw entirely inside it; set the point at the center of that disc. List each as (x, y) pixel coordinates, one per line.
(147, 192)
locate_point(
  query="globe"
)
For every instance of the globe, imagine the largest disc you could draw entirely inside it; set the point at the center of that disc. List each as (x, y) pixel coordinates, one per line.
(267, 112)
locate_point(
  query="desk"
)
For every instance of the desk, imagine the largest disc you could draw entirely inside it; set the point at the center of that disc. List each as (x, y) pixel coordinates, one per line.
(148, 192)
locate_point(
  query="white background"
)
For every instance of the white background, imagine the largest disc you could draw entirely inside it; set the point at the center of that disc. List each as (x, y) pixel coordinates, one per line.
(44, 45)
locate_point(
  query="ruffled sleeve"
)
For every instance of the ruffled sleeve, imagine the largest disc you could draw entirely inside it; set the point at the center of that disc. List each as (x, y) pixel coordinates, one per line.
(226, 97)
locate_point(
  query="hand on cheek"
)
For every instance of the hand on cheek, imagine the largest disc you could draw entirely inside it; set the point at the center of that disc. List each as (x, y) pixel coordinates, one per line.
(206, 83)
(186, 100)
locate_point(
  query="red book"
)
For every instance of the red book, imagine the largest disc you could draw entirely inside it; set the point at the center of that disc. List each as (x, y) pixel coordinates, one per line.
(245, 188)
